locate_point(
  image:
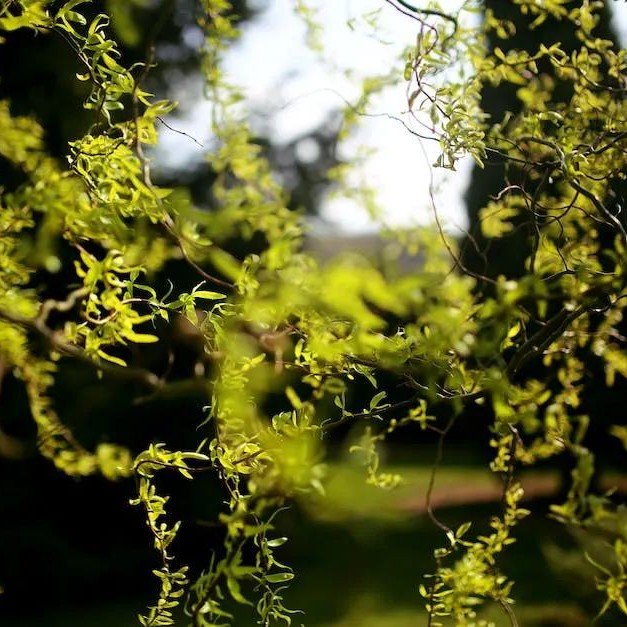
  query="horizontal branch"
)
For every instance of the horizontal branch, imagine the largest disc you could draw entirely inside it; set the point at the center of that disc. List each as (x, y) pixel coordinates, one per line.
(60, 344)
(429, 12)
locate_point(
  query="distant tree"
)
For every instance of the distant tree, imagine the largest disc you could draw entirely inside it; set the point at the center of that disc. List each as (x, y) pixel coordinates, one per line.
(281, 341)
(508, 254)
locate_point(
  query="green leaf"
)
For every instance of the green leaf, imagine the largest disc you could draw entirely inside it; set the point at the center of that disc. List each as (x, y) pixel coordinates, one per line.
(279, 577)
(208, 295)
(376, 399)
(115, 360)
(276, 542)
(235, 590)
(139, 338)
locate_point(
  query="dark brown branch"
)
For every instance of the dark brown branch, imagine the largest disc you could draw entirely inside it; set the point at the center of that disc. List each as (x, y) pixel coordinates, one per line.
(347, 417)
(428, 12)
(57, 341)
(48, 306)
(169, 227)
(599, 205)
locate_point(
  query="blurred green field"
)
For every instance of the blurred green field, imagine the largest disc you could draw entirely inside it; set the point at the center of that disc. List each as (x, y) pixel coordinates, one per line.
(362, 551)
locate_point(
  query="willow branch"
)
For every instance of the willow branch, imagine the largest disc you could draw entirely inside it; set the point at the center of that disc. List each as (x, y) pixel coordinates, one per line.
(56, 340)
(428, 12)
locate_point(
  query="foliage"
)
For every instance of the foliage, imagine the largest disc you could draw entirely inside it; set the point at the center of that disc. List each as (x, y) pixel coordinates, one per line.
(278, 323)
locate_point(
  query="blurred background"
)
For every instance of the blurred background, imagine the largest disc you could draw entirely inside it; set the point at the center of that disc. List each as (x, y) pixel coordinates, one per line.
(360, 553)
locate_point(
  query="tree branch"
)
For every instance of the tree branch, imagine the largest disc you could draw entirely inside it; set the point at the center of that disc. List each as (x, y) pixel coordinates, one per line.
(58, 342)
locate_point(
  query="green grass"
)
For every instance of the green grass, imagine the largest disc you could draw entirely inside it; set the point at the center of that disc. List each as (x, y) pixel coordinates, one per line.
(361, 552)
